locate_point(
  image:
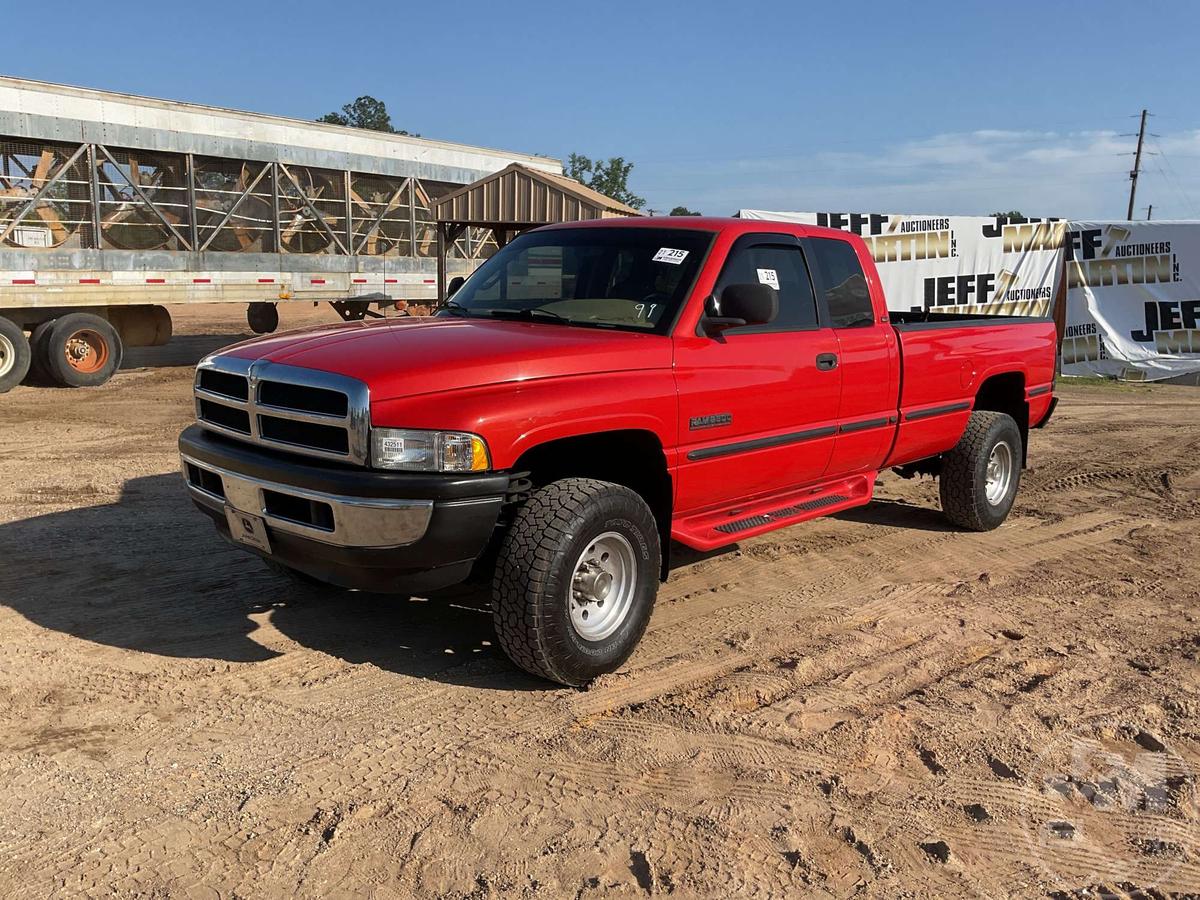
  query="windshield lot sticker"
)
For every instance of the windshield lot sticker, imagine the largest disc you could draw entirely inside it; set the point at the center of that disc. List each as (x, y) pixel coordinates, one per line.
(768, 277)
(667, 255)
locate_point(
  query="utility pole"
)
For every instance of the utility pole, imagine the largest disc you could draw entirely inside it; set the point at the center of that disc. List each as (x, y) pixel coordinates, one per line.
(1137, 165)
(1149, 212)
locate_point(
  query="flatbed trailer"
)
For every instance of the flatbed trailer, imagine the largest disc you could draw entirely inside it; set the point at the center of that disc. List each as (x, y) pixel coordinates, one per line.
(114, 205)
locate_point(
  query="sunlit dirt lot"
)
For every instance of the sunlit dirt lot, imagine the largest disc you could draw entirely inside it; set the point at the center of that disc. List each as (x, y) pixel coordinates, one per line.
(873, 703)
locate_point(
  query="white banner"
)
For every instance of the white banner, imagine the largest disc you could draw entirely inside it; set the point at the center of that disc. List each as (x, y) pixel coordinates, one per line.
(959, 264)
(1133, 299)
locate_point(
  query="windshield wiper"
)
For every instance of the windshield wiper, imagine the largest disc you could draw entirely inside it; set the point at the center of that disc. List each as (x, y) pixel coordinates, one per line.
(454, 308)
(529, 314)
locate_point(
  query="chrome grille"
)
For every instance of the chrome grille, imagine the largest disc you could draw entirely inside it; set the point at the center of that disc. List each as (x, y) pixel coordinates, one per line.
(286, 407)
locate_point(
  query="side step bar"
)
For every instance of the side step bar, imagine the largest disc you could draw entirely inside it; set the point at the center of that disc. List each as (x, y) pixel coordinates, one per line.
(715, 528)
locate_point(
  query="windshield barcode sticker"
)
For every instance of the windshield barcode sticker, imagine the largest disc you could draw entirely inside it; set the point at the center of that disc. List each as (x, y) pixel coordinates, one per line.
(768, 277)
(667, 255)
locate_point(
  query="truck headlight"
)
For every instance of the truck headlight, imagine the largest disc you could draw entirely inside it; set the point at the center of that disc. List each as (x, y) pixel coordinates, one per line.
(428, 451)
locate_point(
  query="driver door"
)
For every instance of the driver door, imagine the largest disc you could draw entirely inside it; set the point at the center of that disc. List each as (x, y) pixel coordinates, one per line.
(758, 404)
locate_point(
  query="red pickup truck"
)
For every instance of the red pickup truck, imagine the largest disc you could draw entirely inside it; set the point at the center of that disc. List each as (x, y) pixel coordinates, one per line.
(593, 392)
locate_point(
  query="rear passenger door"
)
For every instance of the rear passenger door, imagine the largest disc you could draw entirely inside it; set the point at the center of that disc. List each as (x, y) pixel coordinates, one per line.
(868, 358)
(758, 404)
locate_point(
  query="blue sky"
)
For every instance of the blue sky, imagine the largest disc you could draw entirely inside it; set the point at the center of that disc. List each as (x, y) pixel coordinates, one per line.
(902, 107)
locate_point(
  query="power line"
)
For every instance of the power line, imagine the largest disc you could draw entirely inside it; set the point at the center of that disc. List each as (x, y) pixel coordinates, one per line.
(1173, 180)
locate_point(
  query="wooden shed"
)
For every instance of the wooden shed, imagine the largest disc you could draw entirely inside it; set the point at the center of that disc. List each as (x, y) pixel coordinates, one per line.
(513, 200)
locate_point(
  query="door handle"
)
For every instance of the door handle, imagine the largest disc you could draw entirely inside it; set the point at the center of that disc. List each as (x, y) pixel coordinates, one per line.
(826, 362)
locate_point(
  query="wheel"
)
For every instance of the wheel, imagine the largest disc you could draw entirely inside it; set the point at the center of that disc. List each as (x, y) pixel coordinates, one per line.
(263, 318)
(38, 366)
(575, 580)
(14, 355)
(80, 350)
(980, 476)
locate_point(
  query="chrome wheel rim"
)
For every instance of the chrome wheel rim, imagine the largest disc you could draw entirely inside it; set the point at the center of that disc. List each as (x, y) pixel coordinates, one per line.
(602, 586)
(8, 355)
(999, 473)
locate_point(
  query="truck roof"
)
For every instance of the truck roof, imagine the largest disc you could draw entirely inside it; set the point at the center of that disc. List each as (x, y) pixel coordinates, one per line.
(727, 224)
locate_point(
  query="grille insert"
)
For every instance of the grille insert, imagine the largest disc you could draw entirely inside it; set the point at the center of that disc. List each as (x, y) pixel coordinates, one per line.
(299, 410)
(330, 438)
(226, 416)
(235, 387)
(302, 398)
(209, 482)
(301, 510)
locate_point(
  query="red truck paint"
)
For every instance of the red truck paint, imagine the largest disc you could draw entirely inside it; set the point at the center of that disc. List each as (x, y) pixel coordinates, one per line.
(521, 384)
(754, 434)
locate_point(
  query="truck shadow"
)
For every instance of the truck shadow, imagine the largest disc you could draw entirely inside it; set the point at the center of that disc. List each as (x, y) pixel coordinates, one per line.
(149, 573)
(181, 350)
(898, 514)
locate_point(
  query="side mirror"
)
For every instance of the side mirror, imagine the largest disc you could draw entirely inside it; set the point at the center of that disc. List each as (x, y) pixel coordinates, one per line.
(741, 304)
(455, 283)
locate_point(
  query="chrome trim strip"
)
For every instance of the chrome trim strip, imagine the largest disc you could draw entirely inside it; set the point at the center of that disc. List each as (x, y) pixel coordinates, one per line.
(210, 425)
(222, 399)
(366, 522)
(282, 412)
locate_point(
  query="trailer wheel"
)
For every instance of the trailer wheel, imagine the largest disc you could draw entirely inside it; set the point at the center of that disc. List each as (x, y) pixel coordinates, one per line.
(38, 370)
(980, 476)
(263, 318)
(80, 350)
(14, 355)
(576, 579)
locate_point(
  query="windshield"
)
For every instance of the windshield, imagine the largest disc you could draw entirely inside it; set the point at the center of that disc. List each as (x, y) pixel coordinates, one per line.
(627, 278)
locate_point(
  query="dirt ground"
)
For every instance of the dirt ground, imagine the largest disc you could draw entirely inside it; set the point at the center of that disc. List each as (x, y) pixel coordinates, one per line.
(869, 704)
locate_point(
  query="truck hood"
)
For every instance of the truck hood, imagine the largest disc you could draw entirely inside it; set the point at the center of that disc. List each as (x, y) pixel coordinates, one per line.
(409, 356)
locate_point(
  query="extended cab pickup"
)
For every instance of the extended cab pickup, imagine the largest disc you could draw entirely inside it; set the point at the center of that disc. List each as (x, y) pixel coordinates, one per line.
(593, 392)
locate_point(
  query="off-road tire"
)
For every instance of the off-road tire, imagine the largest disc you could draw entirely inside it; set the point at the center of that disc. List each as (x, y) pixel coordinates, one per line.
(963, 485)
(15, 355)
(531, 587)
(53, 350)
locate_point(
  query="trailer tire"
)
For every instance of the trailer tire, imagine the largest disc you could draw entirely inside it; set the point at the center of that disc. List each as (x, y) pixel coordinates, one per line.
(575, 545)
(38, 373)
(80, 350)
(15, 355)
(263, 318)
(980, 476)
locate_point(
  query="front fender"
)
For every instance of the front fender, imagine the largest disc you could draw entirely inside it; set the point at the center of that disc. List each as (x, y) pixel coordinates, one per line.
(514, 417)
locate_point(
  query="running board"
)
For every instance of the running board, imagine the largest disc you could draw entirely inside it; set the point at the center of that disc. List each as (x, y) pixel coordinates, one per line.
(711, 529)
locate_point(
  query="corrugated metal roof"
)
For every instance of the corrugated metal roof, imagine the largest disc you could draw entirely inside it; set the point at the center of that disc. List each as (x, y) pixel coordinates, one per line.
(46, 111)
(521, 195)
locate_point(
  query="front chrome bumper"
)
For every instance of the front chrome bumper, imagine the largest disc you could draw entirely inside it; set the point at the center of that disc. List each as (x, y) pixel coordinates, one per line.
(363, 522)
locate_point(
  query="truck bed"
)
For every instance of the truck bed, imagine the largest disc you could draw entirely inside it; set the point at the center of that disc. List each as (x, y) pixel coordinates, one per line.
(945, 360)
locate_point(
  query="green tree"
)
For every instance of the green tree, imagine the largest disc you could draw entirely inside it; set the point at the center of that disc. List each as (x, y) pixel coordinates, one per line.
(1011, 214)
(684, 211)
(365, 112)
(608, 176)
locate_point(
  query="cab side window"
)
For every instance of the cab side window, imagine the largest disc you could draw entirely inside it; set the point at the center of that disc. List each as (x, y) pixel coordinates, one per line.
(843, 282)
(781, 267)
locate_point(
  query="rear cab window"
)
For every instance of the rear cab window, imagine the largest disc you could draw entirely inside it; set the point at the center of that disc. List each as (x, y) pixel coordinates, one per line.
(842, 282)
